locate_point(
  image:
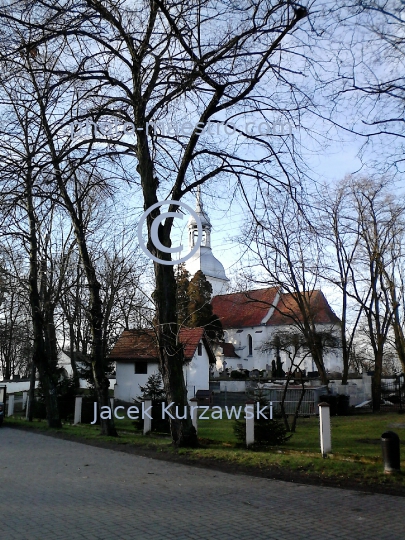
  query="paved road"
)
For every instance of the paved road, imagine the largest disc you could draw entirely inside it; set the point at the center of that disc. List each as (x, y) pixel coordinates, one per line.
(52, 489)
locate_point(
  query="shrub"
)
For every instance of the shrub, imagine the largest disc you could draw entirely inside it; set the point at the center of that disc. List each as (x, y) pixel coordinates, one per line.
(267, 432)
(338, 403)
(238, 375)
(155, 391)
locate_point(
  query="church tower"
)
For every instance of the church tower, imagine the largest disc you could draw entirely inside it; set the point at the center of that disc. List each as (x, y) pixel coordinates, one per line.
(203, 259)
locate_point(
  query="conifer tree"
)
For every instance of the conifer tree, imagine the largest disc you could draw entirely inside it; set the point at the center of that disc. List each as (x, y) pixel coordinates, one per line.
(183, 282)
(200, 308)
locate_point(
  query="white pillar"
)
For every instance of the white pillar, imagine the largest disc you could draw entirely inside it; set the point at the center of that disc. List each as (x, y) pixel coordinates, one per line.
(27, 407)
(324, 429)
(147, 422)
(25, 395)
(78, 410)
(112, 407)
(10, 410)
(250, 423)
(194, 413)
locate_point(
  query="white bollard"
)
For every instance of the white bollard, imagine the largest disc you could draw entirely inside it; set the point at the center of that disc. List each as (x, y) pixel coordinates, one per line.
(147, 422)
(250, 423)
(324, 429)
(27, 407)
(24, 403)
(78, 410)
(10, 410)
(194, 413)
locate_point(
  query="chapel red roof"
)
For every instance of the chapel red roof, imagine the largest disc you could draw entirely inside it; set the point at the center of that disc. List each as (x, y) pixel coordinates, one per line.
(248, 309)
(245, 308)
(143, 345)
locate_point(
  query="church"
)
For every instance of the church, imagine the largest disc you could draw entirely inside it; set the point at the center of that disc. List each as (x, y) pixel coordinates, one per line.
(252, 319)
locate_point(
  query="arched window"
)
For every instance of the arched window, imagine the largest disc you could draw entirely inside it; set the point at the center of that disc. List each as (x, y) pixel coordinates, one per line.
(250, 345)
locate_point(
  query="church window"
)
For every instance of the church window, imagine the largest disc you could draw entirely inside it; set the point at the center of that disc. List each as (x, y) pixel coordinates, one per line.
(199, 349)
(250, 345)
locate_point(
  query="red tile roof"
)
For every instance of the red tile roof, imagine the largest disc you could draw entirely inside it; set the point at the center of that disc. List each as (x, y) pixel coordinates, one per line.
(243, 309)
(136, 344)
(247, 309)
(143, 345)
(287, 311)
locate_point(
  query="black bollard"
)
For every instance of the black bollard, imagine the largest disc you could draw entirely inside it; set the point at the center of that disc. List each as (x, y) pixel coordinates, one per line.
(390, 451)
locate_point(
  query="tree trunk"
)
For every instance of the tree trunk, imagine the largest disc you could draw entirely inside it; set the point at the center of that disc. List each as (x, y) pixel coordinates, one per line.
(171, 356)
(31, 394)
(294, 422)
(345, 349)
(399, 338)
(73, 355)
(318, 359)
(40, 357)
(376, 382)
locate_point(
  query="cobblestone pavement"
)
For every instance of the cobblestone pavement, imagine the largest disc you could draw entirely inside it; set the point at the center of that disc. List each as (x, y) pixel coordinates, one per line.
(60, 490)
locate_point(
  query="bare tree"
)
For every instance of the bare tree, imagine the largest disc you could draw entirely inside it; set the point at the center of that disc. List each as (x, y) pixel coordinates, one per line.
(15, 324)
(152, 62)
(379, 217)
(288, 252)
(339, 228)
(293, 344)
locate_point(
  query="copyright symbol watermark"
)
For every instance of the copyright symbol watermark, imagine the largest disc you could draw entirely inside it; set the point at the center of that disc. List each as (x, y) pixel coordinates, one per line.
(155, 237)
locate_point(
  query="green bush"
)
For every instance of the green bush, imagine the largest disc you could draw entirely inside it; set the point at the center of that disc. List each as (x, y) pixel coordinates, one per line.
(338, 403)
(267, 432)
(238, 375)
(88, 410)
(153, 390)
(38, 409)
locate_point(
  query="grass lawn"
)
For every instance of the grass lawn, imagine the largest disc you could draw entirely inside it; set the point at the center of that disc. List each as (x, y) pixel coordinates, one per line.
(356, 447)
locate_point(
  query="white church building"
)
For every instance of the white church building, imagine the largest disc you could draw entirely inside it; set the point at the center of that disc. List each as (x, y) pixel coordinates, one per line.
(251, 319)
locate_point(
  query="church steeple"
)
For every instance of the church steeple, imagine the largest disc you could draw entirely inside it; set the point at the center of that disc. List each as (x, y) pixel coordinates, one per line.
(205, 222)
(204, 259)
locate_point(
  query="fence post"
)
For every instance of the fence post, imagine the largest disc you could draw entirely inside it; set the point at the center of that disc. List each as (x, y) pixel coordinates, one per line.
(250, 423)
(25, 394)
(78, 410)
(194, 412)
(324, 428)
(147, 422)
(10, 410)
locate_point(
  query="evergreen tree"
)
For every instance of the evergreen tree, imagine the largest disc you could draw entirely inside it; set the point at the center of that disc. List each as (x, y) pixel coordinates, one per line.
(200, 308)
(183, 282)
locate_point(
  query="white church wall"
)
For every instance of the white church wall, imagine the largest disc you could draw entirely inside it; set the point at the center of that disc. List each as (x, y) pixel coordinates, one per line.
(218, 286)
(259, 359)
